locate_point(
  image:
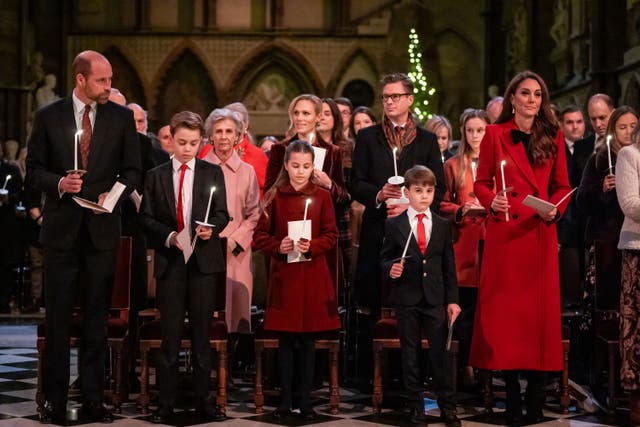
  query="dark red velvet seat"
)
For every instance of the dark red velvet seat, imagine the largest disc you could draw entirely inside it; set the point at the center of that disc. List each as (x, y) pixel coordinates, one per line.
(265, 339)
(150, 337)
(117, 327)
(385, 336)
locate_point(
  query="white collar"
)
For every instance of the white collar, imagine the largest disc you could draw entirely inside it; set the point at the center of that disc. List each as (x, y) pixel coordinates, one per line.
(79, 105)
(176, 164)
(412, 213)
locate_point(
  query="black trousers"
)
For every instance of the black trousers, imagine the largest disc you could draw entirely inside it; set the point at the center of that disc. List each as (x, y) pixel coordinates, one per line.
(61, 269)
(413, 321)
(307, 361)
(183, 288)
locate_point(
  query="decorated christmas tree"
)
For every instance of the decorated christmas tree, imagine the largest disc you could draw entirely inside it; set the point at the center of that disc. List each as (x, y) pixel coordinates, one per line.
(422, 93)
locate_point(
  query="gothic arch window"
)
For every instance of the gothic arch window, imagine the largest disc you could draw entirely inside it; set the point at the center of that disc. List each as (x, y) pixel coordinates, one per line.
(632, 95)
(125, 76)
(185, 85)
(360, 92)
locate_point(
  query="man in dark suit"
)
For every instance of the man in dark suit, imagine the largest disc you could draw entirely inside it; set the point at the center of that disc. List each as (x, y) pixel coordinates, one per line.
(372, 167)
(424, 292)
(76, 239)
(571, 225)
(176, 195)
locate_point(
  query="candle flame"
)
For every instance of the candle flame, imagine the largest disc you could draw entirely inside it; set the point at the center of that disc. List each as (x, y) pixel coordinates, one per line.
(8, 177)
(213, 188)
(308, 202)
(395, 149)
(502, 163)
(78, 133)
(608, 138)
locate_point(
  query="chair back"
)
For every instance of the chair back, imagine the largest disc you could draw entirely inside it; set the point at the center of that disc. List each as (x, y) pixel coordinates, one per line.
(122, 278)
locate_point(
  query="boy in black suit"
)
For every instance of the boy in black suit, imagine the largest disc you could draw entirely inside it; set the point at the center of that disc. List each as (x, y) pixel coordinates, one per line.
(424, 291)
(176, 195)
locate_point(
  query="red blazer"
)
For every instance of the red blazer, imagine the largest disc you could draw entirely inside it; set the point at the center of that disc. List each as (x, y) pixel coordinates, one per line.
(517, 323)
(301, 296)
(468, 230)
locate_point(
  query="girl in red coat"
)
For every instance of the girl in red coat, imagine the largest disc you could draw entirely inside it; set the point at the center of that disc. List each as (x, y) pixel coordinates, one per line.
(461, 207)
(301, 298)
(517, 324)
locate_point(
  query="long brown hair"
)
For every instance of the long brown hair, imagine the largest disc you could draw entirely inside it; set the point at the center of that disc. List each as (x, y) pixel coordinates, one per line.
(337, 135)
(464, 149)
(613, 121)
(545, 127)
(297, 146)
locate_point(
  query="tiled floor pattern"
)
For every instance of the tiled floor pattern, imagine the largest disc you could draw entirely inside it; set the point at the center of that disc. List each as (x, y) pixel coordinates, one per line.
(18, 384)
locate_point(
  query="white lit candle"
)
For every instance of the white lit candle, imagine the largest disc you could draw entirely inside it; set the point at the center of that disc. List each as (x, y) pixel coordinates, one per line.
(75, 149)
(206, 217)
(406, 245)
(4, 187)
(311, 137)
(504, 186)
(474, 167)
(304, 218)
(609, 152)
(395, 162)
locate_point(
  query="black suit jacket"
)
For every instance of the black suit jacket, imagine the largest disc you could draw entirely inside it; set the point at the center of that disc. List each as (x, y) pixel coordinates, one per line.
(432, 275)
(571, 226)
(114, 155)
(158, 215)
(371, 168)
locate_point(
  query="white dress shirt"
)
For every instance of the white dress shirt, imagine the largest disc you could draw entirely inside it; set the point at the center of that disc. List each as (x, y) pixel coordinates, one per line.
(78, 111)
(427, 222)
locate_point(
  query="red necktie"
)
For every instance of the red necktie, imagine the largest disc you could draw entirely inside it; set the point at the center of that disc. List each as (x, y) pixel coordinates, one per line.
(422, 235)
(85, 138)
(179, 212)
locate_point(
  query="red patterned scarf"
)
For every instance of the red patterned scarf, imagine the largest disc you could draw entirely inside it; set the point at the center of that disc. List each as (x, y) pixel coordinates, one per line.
(399, 138)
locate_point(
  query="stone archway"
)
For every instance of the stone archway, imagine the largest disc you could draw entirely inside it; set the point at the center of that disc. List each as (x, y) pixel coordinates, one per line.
(185, 85)
(125, 76)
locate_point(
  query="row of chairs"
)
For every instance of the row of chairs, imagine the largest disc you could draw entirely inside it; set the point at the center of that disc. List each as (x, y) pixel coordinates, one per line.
(385, 337)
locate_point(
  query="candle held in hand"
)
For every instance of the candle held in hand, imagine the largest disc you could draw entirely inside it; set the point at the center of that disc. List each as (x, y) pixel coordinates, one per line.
(6, 180)
(395, 162)
(75, 149)
(206, 217)
(504, 186)
(609, 153)
(304, 218)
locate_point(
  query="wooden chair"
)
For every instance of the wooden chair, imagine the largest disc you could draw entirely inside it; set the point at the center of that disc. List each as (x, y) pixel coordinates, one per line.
(385, 337)
(117, 328)
(330, 341)
(150, 337)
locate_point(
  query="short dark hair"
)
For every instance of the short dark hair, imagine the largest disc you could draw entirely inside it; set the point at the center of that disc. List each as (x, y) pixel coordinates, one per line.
(419, 175)
(344, 101)
(398, 77)
(571, 108)
(186, 119)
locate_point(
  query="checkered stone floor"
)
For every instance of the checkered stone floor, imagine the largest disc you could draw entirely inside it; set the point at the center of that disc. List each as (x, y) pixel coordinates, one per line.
(18, 384)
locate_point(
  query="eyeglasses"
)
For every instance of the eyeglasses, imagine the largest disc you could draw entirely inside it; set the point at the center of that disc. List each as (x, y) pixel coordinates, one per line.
(393, 97)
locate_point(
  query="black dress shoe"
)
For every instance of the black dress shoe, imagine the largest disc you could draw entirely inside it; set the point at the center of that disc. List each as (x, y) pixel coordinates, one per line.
(450, 419)
(95, 412)
(418, 417)
(308, 414)
(210, 413)
(53, 414)
(162, 415)
(280, 414)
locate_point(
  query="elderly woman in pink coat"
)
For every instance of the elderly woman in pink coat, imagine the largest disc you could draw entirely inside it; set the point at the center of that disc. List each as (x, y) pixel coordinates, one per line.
(223, 127)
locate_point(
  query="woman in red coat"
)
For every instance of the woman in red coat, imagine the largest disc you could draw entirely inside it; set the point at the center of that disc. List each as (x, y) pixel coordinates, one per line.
(461, 207)
(301, 297)
(517, 325)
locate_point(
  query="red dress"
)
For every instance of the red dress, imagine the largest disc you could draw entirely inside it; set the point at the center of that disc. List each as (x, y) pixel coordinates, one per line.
(301, 296)
(517, 324)
(470, 229)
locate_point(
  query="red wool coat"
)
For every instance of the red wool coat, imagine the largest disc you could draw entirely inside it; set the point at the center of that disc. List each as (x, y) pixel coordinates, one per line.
(301, 296)
(517, 324)
(469, 230)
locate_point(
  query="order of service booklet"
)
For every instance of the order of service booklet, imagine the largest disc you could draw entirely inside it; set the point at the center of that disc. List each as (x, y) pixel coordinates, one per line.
(109, 201)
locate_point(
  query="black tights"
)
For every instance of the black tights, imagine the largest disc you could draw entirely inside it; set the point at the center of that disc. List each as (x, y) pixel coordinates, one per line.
(534, 396)
(307, 359)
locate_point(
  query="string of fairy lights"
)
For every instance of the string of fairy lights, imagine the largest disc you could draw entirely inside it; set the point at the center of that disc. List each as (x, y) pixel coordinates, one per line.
(422, 93)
